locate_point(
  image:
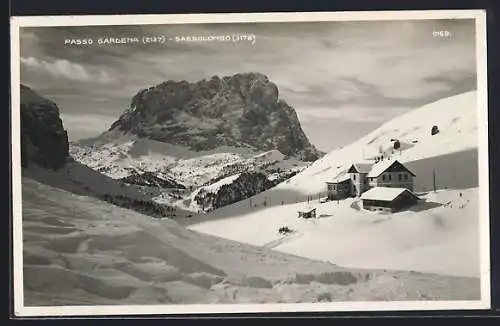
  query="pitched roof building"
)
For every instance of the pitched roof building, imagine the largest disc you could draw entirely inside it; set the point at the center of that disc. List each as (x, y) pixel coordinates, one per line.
(390, 173)
(360, 177)
(388, 199)
(339, 187)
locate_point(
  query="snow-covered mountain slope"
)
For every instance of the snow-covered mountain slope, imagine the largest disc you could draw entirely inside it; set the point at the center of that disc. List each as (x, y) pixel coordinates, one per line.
(78, 250)
(117, 155)
(80, 179)
(451, 153)
(455, 144)
(440, 235)
(179, 174)
(411, 240)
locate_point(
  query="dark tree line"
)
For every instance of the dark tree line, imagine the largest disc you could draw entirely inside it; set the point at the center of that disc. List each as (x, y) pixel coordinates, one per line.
(146, 207)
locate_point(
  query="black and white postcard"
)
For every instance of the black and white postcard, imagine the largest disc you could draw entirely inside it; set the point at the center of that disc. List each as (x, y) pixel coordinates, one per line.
(227, 163)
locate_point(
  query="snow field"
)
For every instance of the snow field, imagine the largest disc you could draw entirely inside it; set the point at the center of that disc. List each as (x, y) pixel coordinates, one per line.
(432, 237)
(79, 250)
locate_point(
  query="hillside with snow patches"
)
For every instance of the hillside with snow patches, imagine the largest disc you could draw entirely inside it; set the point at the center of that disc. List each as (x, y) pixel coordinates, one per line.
(115, 154)
(177, 173)
(440, 234)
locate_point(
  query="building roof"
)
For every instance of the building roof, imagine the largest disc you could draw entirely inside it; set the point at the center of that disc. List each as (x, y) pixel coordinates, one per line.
(307, 209)
(382, 166)
(384, 193)
(342, 177)
(360, 167)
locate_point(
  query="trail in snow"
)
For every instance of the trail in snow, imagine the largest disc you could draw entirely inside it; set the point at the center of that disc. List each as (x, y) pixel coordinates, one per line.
(283, 239)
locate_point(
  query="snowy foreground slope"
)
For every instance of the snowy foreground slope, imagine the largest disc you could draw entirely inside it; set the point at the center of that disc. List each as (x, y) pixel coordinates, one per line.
(439, 235)
(79, 250)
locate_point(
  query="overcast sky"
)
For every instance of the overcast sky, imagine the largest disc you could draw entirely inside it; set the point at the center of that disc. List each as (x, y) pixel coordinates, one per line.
(342, 78)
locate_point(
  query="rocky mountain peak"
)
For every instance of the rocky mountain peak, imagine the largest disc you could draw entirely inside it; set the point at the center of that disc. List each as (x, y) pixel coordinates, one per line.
(243, 110)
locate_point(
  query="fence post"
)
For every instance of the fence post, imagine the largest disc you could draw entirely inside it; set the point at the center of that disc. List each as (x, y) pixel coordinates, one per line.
(434, 179)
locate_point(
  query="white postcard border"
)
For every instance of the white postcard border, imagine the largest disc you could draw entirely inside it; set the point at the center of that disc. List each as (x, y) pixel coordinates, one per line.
(108, 20)
(483, 162)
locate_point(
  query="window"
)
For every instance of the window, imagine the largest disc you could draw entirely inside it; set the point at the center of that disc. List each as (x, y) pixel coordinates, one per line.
(383, 177)
(406, 176)
(389, 177)
(400, 176)
(334, 187)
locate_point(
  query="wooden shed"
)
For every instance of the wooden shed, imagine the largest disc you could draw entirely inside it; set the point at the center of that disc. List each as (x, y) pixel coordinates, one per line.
(308, 212)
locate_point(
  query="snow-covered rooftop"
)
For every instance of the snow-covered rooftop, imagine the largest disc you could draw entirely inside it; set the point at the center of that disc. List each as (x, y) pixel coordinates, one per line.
(307, 209)
(380, 167)
(362, 167)
(384, 193)
(340, 178)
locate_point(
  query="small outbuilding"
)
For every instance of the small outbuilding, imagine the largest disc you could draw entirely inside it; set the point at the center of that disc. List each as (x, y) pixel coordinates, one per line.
(388, 199)
(308, 212)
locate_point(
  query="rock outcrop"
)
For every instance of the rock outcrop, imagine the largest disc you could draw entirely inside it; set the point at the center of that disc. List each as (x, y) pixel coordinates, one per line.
(43, 139)
(243, 110)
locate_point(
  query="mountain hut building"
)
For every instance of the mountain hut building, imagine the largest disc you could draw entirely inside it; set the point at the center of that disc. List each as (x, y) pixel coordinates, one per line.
(361, 177)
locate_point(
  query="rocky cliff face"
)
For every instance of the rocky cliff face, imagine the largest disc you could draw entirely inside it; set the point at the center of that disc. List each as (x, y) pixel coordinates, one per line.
(243, 110)
(43, 138)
